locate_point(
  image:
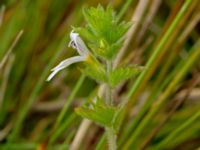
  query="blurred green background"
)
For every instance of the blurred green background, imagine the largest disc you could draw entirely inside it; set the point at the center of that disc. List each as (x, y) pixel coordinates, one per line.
(34, 35)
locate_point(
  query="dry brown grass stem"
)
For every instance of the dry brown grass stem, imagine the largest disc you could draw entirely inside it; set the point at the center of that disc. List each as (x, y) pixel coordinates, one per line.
(136, 19)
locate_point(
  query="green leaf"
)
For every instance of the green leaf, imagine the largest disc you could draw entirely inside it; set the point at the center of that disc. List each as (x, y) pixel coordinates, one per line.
(103, 33)
(123, 73)
(98, 112)
(106, 116)
(98, 19)
(95, 70)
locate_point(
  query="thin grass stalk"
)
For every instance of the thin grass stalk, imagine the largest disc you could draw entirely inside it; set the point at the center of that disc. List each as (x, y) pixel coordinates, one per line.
(5, 78)
(65, 143)
(156, 54)
(151, 13)
(148, 103)
(124, 9)
(155, 131)
(101, 142)
(166, 66)
(25, 48)
(2, 11)
(3, 61)
(194, 55)
(9, 29)
(62, 128)
(175, 50)
(85, 124)
(25, 108)
(178, 130)
(172, 41)
(5, 131)
(178, 117)
(70, 100)
(180, 25)
(169, 20)
(170, 59)
(184, 136)
(141, 80)
(136, 19)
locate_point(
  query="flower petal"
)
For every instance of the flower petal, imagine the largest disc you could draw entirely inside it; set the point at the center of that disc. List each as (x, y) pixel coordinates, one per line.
(81, 47)
(65, 63)
(79, 44)
(52, 75)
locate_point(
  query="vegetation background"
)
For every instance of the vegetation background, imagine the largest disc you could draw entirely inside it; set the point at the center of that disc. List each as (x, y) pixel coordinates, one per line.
(163, 110)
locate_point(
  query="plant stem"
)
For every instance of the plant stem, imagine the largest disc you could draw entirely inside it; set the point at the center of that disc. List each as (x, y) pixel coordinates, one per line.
(111, 139)
(109, 131)
(109, 100)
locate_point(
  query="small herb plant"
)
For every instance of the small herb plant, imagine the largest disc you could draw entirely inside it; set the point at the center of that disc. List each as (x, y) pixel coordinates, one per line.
(98, 44)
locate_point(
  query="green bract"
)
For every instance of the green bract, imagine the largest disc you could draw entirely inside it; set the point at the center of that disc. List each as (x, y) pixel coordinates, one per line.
(98, 112)
(106, 116)
(103, 33)
(123, 73)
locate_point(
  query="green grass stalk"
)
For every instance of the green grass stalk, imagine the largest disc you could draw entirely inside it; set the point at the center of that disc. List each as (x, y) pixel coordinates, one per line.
(62, 128)
(24, 110)
(178, 130)
(151, 62)
(194, 55)
(131, 97)
(124, 9)
(70, 100)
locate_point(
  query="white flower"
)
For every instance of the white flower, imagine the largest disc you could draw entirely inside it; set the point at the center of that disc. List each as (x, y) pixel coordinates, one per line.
(78, 44)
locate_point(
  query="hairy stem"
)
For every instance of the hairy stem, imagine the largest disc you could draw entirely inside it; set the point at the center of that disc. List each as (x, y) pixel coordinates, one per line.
(109, 100)
(109, 131)
(112, 138)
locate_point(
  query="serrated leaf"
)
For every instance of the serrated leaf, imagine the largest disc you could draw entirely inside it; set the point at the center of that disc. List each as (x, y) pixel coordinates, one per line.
(123, 73)
(98, 112)
(99, 20)
(103, 33)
